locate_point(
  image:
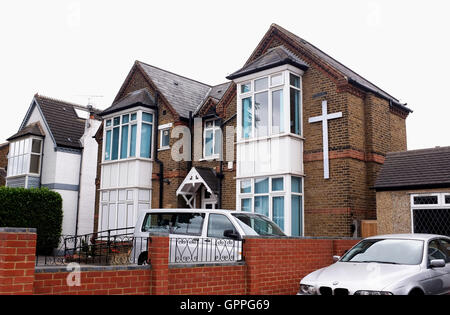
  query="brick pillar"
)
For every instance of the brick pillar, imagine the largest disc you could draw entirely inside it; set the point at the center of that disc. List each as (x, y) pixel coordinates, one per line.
(158, 254)
(17, 261)
(254, 260)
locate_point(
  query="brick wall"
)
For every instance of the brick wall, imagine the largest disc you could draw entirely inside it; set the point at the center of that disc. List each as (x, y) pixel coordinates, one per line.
(4, 149)
(271, 266)
(17, 259)
(275, 266)
(103, 281)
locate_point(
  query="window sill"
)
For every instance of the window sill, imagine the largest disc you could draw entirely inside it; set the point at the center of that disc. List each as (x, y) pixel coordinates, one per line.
(210, 159)
(163, 149)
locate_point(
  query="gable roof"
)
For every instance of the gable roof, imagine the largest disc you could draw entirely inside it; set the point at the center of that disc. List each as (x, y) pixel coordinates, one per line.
(274, 57)
(65, 126)
(182, 93)
(215, 94)
(415, 169)
(34, 129)
(140, 97)
(347, 74)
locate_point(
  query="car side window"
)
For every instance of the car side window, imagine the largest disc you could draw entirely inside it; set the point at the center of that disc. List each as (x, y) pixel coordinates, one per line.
(439, 249)
(218, 224)
(175, 223)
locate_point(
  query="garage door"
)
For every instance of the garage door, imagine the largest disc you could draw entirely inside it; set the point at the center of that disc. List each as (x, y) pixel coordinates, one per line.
(431, 213)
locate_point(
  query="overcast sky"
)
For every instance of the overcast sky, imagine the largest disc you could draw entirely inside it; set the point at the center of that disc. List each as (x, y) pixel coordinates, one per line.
(71, 49)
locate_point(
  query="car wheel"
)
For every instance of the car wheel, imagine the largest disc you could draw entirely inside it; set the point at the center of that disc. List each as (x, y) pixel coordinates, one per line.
(416, 292)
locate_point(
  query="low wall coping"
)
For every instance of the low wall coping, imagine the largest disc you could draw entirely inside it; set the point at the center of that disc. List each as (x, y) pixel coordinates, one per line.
(52, 269)
(303, 238)
(236, 263)
(17, 230)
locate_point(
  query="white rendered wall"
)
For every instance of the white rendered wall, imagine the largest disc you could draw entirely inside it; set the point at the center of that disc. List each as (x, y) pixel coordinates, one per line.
(88, 175)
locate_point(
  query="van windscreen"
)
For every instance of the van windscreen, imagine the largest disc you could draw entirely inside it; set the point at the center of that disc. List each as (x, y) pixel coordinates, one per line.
(174, 223)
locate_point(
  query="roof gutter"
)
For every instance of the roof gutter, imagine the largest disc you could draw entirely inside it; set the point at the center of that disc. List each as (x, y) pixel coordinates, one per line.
(391, 100)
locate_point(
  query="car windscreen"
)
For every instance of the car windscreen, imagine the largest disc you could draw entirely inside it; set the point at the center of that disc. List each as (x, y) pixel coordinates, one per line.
(260, 225)
(387, 251)
(174, 223)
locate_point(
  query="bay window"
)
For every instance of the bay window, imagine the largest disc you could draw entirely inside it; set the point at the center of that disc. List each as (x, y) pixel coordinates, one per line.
(277, 197)
(122, 136)
(270, 105)
(24, 157)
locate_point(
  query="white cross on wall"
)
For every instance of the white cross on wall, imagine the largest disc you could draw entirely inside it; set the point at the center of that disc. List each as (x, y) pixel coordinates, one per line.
(324, 119)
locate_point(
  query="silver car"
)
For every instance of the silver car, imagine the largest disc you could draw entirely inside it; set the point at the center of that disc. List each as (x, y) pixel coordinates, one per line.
(403, 264)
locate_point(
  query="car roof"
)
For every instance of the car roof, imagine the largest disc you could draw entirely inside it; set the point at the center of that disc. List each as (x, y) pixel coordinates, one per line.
(185, 210)
(412, 236)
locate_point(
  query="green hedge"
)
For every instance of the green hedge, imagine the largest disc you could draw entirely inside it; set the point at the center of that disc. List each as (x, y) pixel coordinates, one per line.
(33, 208)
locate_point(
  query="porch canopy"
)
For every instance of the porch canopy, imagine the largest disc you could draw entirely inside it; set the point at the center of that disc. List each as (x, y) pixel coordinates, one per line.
(194, 180)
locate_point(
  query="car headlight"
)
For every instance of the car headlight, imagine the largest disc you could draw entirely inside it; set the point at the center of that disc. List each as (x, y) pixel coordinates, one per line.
(366, 292)
(307, 289)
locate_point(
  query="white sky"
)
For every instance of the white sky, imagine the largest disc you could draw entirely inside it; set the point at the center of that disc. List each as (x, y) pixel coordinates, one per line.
(65, 49)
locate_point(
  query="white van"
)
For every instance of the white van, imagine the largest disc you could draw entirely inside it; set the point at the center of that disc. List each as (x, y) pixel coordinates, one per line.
(199, 235)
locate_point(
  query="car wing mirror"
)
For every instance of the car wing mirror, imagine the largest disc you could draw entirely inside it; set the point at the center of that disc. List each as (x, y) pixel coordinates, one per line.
(336, 258)
(437, 263)
(231, 234)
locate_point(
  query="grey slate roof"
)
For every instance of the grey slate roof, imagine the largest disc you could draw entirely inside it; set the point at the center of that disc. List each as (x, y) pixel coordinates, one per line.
(352, 76)
(140, 97)
(216, 93)
(272, 58)
(183, 94)
(34, 129)
(65, 125)
(415, 169)
(209, 176)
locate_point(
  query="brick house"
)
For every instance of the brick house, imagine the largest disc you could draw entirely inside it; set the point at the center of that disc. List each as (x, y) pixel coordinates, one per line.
(293, 134)
(4, 148)
(413, 192)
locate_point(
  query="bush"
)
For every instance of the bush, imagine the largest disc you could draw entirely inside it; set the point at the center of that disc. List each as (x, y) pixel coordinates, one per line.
(33, 208)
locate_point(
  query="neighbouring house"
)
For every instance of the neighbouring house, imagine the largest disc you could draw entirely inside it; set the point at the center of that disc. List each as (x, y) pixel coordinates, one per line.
(55, 148)
(293, 134)
(4, 148)
(413, 192)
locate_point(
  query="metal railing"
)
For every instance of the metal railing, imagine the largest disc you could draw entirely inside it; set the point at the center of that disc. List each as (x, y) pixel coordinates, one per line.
(204, 250)
(111, 247)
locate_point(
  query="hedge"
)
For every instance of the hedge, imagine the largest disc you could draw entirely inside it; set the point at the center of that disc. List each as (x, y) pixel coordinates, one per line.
(33, 208)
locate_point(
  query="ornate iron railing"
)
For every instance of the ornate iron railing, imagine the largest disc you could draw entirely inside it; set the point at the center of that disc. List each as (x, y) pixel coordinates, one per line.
(204, 250)
(111, 247)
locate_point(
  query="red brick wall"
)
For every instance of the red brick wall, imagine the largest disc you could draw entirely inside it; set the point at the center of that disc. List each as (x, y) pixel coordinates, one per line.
(276, 266)
(272, 266)
(17, 259)
(214, 280)
(123, 282)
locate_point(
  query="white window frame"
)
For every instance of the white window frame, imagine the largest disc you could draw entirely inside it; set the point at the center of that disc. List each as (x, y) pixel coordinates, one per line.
(214, 128)
(440, 205)
(162, 128)
(285, 87)
(286, 193)
(138, 122)
(12, 155)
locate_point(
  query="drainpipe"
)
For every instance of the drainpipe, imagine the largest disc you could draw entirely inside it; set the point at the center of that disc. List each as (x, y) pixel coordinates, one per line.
(191, 119)
(155, 146)
(79, 193)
